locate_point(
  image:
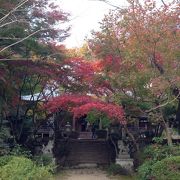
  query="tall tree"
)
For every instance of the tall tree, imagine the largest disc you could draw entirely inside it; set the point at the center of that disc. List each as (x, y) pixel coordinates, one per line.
(29, 29)
(28, 26)
(145, 39)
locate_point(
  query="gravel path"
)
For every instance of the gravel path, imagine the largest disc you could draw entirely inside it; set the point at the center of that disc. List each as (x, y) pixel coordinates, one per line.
(84, 174)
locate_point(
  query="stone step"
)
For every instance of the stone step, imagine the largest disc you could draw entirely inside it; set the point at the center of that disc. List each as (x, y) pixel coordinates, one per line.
(86, 165)
(86, 151)
(85, 135)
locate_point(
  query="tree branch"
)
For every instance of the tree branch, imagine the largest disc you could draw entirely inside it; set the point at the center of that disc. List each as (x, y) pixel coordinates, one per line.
(20, 59)
(9, 38)
(13, 10)
(21, 40)
(164, 3)
(107, 2)
(5, 24)
(162, 105)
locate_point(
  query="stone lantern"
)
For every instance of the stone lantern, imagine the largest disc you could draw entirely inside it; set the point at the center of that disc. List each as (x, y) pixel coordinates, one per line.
(68, 129)
(123, 157)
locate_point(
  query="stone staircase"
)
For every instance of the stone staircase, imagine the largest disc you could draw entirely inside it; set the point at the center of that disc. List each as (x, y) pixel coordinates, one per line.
(88, 151)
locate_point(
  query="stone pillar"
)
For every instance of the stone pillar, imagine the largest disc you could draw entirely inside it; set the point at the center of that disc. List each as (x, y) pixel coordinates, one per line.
(74, 125)
(123, 134)
(48, 149)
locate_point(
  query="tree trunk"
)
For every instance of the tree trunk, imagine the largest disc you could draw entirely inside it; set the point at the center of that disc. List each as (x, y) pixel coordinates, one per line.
(132, 138)
(100, 123)
(168, 134)
(115, 146)
(178, 115)
(166, 128)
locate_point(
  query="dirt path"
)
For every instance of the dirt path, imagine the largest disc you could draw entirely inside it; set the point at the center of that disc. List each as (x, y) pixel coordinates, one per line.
(83, 174)
(89, 174)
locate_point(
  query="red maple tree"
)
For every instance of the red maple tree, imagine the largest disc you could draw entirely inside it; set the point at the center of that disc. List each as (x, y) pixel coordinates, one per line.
(81, 105)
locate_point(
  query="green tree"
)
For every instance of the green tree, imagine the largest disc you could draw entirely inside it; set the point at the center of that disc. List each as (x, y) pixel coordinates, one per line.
(29, 27)
(139, 45)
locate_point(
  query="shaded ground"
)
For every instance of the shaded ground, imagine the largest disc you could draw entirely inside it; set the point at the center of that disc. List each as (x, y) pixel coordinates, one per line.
(88, 174)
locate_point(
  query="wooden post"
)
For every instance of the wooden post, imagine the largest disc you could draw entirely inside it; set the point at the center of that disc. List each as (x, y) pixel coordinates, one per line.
(100, 123)
(74, 124)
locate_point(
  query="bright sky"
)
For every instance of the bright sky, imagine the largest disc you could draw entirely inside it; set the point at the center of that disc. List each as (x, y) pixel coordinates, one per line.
(85, 15)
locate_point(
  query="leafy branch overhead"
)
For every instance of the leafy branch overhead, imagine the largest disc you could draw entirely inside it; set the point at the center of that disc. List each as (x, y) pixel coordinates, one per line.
(25, 21)
(81, 105)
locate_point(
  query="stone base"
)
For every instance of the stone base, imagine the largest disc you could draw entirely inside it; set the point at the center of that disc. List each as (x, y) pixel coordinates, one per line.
(123, 156)
(87, 165)
(126, 164)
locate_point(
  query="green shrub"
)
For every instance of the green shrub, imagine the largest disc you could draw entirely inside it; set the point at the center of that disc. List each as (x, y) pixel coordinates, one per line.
(158, 152)
(116, 169)
(18, 150)
(5, 159)
(158, 140)
(21, 168)
(4, 136)
(43, 160)
(166, 169)
(154, 154)
(144, 170)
